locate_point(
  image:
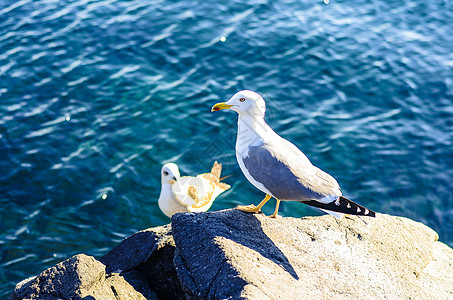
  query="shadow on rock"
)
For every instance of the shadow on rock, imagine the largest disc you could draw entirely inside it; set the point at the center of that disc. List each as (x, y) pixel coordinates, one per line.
(247, 231)
(202, 243)
(148, 254)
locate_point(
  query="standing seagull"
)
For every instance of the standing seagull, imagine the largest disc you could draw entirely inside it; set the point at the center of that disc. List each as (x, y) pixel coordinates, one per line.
(277, 167)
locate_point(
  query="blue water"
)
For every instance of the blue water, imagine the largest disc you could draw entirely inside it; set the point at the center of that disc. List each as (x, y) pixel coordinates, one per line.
(96, 95)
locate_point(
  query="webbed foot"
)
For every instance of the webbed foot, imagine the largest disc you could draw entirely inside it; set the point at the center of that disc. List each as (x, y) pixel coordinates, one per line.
(248, 208)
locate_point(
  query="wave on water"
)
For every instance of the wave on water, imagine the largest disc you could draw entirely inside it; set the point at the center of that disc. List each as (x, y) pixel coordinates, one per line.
(96, 95)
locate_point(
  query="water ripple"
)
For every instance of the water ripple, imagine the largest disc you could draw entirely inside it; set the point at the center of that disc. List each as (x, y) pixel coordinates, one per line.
(96, 95)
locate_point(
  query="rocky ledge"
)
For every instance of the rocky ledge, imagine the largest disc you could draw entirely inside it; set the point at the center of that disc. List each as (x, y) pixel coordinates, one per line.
(230, 254)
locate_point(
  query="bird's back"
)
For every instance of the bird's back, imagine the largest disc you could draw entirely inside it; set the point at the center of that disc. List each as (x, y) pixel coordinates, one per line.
(198, 193)
(287, 173)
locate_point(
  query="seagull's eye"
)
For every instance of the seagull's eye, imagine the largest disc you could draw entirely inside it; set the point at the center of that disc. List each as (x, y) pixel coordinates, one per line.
(165, 173)
(242, 99)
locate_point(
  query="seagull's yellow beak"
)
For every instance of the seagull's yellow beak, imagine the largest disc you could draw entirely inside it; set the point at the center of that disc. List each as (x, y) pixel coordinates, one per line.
(219, 106)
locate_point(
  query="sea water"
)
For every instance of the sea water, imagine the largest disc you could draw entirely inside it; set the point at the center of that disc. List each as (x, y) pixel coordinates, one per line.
(96, 95)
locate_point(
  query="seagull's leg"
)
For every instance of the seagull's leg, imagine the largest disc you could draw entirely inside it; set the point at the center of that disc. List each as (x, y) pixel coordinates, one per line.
(275, 214)
(263, 202)
(252, 208)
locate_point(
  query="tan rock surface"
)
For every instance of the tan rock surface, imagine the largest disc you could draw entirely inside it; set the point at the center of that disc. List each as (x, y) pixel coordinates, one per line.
(387, 257)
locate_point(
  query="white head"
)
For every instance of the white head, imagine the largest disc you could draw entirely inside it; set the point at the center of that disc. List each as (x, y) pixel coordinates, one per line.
(244, 103)
(169, 173)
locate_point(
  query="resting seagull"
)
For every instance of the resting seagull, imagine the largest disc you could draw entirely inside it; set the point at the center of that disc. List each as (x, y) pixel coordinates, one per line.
(277, 167)
(189, 193)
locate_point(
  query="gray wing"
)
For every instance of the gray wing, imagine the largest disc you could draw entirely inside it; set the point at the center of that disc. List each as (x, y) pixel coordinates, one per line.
(287, 173)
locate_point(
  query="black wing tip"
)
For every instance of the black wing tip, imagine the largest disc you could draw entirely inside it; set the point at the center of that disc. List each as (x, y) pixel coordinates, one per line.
(363, 210)
(343, 205)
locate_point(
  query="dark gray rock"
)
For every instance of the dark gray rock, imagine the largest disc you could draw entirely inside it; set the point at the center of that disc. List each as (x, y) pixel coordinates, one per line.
(203, 266)
(130, 285)
(79, 277)
(151, 253)
(137, 249)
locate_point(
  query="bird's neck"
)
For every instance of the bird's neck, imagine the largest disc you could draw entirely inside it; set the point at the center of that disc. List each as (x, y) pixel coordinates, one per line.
(252, 129)
(165, 187)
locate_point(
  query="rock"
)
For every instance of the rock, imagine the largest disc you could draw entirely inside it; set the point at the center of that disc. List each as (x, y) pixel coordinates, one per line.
(81, 276)
(151, 252)
(129, 285)
(234, 254)
(137, 249)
